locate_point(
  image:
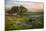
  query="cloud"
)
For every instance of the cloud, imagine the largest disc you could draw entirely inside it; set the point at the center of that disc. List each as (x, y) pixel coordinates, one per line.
(31, 6)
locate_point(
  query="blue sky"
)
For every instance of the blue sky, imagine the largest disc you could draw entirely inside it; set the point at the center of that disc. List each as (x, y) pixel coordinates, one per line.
(30, 5)
(8, 1)
(12, 1)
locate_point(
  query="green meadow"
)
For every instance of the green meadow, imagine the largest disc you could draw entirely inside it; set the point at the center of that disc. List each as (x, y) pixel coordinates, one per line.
(26, 21)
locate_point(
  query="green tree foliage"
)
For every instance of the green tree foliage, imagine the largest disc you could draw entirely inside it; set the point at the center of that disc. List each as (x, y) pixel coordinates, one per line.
(17, 9)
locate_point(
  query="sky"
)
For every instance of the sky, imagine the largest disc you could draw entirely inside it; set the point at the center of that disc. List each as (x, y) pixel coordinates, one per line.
(32, 6)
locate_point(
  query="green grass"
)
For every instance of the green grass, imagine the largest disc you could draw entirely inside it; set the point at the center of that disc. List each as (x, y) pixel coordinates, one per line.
(15, 22)
(11, 21)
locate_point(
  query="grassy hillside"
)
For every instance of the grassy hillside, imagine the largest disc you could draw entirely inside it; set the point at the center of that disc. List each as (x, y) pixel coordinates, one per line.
(26, 21)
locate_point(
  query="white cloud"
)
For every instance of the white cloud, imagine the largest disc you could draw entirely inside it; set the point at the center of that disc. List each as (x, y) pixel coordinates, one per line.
(29, 0)
(31, 6)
